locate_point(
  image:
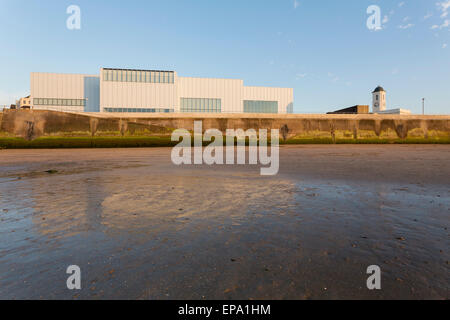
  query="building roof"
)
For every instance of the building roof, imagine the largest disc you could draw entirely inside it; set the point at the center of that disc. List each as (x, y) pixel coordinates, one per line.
(120, 69)
(358, 109)
(379, 89)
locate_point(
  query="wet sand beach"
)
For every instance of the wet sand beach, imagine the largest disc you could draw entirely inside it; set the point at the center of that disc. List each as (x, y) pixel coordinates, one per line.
(140, 227)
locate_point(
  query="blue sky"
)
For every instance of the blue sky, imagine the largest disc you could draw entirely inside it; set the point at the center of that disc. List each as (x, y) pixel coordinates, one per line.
(322, 49)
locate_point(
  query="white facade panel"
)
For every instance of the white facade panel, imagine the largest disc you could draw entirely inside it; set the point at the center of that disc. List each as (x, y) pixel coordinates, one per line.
(64, 86)
(121, 94)
(228, 90)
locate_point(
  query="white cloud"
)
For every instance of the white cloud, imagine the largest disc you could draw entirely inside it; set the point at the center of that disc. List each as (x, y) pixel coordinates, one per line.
(444, 8)
(429, 15)
(299, 76)
(385, 20)
(296, 4)
(444, 46)
(401, 4)
(406, 26)
(333, 77)
(445, 24)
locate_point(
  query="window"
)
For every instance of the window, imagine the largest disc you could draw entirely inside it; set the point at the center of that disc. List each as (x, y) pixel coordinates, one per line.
(59, 102)
(252, 106)
(139, 76)
(200, 105)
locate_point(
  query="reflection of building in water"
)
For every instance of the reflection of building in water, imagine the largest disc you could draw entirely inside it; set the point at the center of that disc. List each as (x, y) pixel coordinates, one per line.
(64, 206)
(139, 203)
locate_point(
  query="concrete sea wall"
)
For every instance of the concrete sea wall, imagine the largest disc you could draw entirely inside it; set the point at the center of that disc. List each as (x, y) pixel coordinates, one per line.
(45, 129)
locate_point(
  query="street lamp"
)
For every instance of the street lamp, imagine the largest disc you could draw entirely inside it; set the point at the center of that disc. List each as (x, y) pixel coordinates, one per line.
(423, 106)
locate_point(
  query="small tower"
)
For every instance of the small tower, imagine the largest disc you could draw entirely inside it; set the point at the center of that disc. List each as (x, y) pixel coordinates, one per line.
(379, 100)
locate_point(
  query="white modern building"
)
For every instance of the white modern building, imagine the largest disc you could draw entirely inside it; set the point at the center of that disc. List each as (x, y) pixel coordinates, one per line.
(23, 103)
(150, 91)
(379, 103)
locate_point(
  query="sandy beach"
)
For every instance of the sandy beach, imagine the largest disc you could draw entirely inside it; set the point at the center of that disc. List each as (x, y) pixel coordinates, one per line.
(140, 227)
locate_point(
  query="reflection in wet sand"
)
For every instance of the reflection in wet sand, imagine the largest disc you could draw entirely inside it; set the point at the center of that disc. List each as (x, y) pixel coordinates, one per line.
(142, 228)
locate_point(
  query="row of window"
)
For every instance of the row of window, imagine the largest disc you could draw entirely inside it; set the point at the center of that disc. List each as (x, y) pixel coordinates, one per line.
(139, 76)
(137, 110)
(200, 105)
(59, 102)
(260, 106)
(205, 105)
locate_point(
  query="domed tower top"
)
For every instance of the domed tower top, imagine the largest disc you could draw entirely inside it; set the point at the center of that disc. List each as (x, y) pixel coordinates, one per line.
(379, 99)
(379, 89)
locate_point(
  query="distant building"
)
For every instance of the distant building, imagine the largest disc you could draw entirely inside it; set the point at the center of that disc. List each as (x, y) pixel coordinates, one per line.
(396, 111)
(379, 100)
(24, 103)
(379, 103)
(358, 109)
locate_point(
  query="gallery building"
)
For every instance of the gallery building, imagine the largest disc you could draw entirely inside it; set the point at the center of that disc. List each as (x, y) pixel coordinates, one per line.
(153, 91)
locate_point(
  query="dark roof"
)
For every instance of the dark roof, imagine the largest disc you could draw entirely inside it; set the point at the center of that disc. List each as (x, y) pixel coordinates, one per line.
(379, 89)
(358, 109)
